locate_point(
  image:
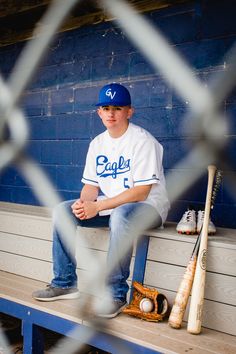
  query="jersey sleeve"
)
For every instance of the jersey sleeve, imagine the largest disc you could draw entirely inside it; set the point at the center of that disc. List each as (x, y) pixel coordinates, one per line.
(89, 174)
(147, 163)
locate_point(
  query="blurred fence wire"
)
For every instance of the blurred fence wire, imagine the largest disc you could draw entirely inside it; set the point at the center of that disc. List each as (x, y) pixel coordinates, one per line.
(204, 109)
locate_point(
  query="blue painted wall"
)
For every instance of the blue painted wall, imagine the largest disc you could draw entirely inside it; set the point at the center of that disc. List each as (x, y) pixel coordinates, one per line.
(59, 102)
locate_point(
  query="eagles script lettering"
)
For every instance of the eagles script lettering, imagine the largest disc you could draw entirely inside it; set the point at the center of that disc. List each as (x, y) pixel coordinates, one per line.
(105, 168)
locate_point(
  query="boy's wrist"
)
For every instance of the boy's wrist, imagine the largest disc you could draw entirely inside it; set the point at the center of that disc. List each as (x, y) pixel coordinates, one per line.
(102, 205)
(99, 205)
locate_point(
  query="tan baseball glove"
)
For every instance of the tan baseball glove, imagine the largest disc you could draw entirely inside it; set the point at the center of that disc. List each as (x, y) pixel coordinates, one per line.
(160, 304)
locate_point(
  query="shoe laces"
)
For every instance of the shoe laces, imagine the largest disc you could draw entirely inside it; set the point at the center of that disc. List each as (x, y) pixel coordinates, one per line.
(200, 216)
(49, 286)
(189, 215)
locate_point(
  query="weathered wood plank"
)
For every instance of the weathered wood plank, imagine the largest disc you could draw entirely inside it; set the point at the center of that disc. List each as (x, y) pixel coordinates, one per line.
(35, 269)
(224, 237)
(14, 10)
(94, 238)
(19, 289)
(26, 267)
(219, 287)
(26, 225)
(158, 336)
(25, 209)
(216, 316)
(34, 248)
(219, 259)
(13, 7)
(25, 249)
(26, 246)
(211, 339)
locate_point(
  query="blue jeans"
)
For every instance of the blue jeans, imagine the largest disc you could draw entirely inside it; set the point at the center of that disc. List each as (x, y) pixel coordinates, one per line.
(64, 263)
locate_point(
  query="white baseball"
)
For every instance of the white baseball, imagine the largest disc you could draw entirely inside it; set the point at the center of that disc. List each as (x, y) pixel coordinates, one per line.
(146, 305)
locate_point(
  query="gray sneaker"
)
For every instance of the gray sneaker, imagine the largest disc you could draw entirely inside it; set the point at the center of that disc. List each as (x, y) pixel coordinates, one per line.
(112, 311)
(51, 294)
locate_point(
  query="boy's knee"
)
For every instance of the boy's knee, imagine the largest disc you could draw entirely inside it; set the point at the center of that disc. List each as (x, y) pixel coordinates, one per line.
(119, 217)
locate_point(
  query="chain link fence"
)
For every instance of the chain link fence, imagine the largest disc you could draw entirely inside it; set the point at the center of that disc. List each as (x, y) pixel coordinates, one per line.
(204, 109)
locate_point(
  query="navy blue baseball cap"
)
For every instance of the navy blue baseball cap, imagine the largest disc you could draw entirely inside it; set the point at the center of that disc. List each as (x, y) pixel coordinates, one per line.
(114, 95)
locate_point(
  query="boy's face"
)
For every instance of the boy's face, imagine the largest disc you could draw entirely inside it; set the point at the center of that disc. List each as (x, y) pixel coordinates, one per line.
(115, 118)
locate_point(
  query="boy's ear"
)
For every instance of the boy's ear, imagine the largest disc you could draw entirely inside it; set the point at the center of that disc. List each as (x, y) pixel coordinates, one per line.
(99, 112)
(131, 112)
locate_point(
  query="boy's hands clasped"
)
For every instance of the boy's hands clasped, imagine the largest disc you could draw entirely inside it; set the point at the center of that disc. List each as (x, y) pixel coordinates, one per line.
(85, 209)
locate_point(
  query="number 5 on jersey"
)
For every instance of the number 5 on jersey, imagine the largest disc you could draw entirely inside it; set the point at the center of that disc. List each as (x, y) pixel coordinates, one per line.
(126, 183)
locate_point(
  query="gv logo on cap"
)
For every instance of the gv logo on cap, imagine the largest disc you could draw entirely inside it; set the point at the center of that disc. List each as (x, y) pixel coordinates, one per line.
(110, 94)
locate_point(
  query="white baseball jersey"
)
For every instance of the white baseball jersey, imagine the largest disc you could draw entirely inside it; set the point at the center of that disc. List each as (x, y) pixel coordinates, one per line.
(134, 159)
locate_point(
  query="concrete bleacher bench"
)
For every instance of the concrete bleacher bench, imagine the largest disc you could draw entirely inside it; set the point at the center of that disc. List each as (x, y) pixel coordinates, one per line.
(159, 262)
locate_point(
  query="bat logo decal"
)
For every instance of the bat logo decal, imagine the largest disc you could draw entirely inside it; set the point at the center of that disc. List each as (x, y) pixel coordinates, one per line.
(203, 257)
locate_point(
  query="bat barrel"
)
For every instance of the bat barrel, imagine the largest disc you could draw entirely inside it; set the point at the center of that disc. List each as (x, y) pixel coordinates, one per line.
(181, 299)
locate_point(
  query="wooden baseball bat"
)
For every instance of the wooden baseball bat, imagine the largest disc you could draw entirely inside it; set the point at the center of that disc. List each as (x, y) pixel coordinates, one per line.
(182, 296)
(183, 293)
(198, 289)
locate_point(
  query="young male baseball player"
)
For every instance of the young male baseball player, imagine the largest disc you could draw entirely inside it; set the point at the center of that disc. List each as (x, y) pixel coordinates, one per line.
(123, 177)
